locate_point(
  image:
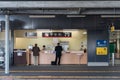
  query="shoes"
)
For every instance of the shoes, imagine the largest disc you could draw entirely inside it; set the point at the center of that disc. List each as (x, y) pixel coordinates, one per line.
(35, 64)
(28, 64)
(58, 64)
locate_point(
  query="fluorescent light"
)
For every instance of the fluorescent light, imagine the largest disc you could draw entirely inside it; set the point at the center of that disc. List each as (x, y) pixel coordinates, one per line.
(110, 16)
(85, 32)
(42, 16)
(76, 16)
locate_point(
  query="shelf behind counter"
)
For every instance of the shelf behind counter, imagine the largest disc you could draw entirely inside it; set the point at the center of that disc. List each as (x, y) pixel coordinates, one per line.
(71, 57)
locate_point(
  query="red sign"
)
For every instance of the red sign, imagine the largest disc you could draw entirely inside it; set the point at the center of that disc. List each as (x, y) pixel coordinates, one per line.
(56, 34)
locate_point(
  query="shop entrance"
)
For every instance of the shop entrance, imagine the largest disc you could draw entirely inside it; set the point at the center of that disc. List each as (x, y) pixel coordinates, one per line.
(114, 46)
(74, 44)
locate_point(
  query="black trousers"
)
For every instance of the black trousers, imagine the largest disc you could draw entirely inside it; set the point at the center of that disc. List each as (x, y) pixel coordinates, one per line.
(57, 60)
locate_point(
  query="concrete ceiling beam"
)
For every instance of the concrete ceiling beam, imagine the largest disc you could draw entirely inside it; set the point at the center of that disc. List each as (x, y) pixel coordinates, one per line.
(59, 4)
(97, 11)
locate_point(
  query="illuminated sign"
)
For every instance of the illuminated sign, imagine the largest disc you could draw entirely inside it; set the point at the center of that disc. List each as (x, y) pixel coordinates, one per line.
(101, 50)
(101, 47)
(30, 34)
(101, 43)
(56, 34)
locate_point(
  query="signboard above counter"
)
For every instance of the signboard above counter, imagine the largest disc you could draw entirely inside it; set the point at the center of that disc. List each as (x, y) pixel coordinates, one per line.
(30, 34)
(56, 34)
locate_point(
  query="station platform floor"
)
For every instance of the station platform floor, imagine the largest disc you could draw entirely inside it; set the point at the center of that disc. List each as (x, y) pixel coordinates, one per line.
(62, 72)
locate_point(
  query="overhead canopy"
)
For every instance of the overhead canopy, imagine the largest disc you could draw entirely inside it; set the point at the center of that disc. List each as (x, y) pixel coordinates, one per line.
(61, 7)
(59, 4)
(77, 7)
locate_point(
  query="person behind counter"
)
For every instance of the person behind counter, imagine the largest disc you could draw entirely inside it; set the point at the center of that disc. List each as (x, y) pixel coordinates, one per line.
(58, 50)
(85, 50)
(36, 51)
(44, 47)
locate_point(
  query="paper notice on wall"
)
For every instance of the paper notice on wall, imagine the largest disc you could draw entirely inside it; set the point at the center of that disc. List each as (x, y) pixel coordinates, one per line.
(19, 54)
(55, 41)
(101, 50)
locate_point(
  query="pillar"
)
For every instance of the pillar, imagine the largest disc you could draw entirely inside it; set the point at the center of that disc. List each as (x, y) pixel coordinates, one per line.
(6, 44)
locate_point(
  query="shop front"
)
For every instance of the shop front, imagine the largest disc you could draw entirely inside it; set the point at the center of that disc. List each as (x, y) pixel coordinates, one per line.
(73, 42)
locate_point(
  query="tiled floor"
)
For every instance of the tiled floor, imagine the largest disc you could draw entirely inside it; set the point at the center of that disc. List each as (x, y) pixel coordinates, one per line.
(57, 79)
(62, 72)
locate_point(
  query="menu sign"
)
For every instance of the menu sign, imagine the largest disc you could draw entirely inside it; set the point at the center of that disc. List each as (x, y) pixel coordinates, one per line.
(56, 34)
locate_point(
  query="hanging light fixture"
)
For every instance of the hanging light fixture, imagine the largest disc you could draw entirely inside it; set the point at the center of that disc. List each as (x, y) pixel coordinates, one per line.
(112, 28)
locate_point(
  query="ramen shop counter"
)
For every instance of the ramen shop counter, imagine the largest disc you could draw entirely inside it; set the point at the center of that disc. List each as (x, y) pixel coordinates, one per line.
(71, 57)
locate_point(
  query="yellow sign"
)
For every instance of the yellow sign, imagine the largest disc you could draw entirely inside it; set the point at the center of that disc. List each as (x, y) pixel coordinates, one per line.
(101, 50)
(112, 28)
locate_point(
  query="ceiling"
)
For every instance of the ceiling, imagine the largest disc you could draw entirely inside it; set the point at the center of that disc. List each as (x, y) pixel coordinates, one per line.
(77, 7)
(65, 11)
(92, 9)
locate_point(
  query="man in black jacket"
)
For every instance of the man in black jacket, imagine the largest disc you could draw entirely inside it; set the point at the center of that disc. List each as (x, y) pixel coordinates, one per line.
(36, 51)
(58, 50)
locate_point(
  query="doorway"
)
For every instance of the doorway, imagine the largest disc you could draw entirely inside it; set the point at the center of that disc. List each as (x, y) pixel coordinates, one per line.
(73, 46)
(114, 46)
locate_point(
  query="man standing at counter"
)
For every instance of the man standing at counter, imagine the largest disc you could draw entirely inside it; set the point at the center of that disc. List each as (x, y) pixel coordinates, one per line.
(36, 51)
(58, 50)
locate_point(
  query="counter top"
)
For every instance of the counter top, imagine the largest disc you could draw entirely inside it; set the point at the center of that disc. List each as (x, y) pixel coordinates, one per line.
(49, 52)
(72, 57)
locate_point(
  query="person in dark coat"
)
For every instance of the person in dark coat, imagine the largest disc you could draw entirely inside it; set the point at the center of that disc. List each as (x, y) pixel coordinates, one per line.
(36, 51)
(58, 50)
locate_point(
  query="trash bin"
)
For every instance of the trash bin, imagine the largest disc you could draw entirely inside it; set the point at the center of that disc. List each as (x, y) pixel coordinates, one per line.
(20, 57)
